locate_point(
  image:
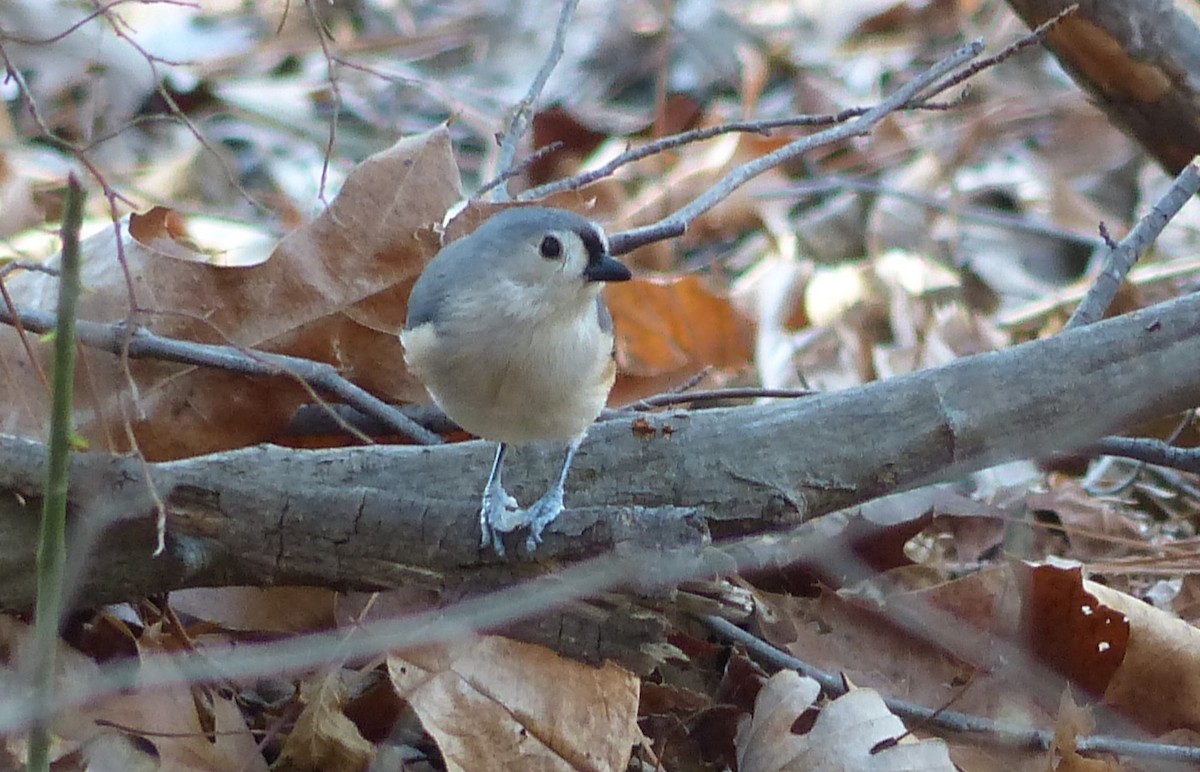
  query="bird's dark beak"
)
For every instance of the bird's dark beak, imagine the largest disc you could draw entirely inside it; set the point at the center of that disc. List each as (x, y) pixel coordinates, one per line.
(605, 267)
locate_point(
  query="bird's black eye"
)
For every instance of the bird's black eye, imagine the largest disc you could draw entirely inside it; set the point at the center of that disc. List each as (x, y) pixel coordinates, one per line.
(551, 247)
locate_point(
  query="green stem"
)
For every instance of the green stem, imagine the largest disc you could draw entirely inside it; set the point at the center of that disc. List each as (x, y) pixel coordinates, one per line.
(52, 547)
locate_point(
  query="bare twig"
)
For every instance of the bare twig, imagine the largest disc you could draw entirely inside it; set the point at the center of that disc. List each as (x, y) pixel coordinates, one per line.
(1091, 482)
(713, 395)
(20, 330)
(101, 10)
(24, 265)
(320, 420)
(1007, 52)
(982, 730)
(916, 101)
(677, 222)
(334, 89)
(1119, 262)
(139, 343)
(518, 168)
(969, 213)
(762, 127)
(929, 105)
(81, 153)
(519, 123)
(180, 116)
(325, 420)
(1150, 451)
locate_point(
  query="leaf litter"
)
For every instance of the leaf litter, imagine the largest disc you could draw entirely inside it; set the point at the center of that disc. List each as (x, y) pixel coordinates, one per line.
(944, 234)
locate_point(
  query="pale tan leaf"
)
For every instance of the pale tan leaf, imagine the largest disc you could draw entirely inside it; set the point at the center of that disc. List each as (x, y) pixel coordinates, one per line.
(494, 703)
(844, 736)
(1158, 682)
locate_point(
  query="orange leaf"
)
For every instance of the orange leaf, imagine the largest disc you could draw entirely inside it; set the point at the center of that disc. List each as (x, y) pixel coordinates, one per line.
(670, 329)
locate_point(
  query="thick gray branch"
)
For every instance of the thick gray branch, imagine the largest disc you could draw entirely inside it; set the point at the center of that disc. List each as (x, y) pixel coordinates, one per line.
(383, 516)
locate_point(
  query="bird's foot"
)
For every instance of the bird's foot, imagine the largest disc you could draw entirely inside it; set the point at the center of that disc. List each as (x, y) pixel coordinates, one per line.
(498, 515)
(541, 514)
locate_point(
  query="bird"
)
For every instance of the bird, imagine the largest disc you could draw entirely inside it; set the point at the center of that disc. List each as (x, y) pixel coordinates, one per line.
(510, 335)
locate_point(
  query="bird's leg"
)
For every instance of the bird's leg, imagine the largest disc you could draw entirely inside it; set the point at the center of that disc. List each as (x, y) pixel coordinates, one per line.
(550, 505)
(497, 508)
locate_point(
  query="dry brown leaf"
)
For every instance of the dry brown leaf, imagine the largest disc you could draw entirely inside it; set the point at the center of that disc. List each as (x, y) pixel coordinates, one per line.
(167, 716)
(333, 290)
(1069, 629)
(323, 739)
(259, 609)
(849, 634)
(838, 632)
(1158, 683)
(494, 703)
(977, 527)
(1095, 527)
(843, 737)
(670, 329)
(1140, 658)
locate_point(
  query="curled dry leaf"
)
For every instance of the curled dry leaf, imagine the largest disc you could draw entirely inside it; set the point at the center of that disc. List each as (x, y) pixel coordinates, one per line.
(323, 739)
(844, 735)
(1158, 681)
(1141, 659)
(334, 291)
(261, 609)
(494, 703)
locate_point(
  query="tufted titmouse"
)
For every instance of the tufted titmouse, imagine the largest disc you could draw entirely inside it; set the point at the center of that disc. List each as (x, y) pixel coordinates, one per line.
(507, 330)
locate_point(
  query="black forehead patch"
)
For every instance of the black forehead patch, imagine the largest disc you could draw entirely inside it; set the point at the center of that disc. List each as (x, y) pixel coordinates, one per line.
(594, 242)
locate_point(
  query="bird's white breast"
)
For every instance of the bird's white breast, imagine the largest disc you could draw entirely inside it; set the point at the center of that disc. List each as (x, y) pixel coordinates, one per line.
(521, 374)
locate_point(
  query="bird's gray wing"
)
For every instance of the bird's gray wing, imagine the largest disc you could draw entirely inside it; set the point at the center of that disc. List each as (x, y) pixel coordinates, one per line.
(443, 275)
(606, 322)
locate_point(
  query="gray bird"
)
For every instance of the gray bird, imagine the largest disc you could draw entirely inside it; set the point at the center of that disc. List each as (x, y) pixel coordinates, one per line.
(507, 330)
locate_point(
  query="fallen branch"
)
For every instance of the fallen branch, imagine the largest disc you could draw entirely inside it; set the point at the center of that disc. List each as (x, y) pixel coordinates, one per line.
(373, 517)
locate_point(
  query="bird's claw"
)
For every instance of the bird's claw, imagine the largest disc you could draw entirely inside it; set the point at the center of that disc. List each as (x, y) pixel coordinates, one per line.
(541, 514)
(499, 515)
(496, 516)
